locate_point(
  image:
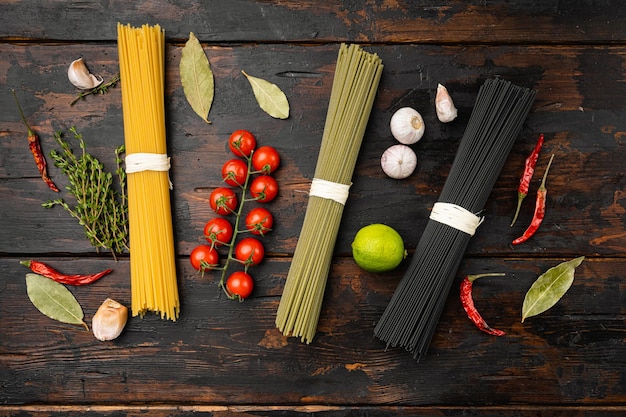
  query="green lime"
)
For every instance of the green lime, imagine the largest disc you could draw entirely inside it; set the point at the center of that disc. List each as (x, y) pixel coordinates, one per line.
(378, 248)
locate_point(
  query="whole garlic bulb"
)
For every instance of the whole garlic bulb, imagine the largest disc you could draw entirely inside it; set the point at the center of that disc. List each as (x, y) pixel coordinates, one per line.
(407, 125)
(446, 112)
(80, 76)
(398, 161)
(109, 320)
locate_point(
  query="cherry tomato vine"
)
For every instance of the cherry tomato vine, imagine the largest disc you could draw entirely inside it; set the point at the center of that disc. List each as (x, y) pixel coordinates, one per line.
(250, 174)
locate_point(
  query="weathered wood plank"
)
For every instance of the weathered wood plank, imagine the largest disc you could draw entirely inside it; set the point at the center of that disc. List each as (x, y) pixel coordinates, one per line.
(580, 115)
(326, 411)
(324, 21)
(321, 410)
(219, 350)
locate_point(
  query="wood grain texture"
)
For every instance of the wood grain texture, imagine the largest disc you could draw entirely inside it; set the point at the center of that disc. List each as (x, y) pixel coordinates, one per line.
(223, 358)
(216, 339)
(386, 21)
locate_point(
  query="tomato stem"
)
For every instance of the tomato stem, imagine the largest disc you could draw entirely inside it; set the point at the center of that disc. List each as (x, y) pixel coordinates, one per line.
(236, 230)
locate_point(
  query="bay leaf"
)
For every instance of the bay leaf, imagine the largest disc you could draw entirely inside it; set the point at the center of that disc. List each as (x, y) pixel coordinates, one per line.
(196, 77)
(54, 300)
(269, 96)
(549, 288)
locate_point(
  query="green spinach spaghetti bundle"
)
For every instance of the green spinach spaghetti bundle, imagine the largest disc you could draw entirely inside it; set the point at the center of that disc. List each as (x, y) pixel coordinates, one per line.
(355, 83)
(411, 316)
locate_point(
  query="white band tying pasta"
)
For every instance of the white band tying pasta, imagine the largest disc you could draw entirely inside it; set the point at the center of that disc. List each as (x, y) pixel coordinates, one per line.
(456, 217)
(330, 190)
(139, 161)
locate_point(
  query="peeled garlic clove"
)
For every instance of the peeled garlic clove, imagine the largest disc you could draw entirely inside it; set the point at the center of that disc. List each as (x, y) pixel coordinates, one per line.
(109, 320)
(446, 112)
(398, 161)
(80, 76)
(407, 125)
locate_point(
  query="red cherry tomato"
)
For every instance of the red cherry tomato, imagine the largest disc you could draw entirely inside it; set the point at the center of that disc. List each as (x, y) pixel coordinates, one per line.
(250, 251)
(266, 159)
(223, 201)
(234, 172)
(218, 231)
(259, 221)
(204, 257)
(264, 188)
(239, 285)
(241, 142)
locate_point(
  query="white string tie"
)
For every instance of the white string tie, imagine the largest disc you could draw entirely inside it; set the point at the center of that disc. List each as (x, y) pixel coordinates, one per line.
(456, 217)
(330, 190)
(140, 161)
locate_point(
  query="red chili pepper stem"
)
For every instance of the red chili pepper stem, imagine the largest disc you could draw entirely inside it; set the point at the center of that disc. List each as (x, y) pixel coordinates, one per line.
(468, 304)
(529, 170)
(520, 198)
(19, 108)
(540, 209)
(472, 278)
(545, 174)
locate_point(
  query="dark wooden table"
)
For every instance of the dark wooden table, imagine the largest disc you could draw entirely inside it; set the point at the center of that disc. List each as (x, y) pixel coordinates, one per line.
(225, 358)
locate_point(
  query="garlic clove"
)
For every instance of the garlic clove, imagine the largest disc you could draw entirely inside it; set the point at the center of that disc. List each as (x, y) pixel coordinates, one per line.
(446, 112)
(109, 320)
(407, 125)
(398, 161)
(80, 76)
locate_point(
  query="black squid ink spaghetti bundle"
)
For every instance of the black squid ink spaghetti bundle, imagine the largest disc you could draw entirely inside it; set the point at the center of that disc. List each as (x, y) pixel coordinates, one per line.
(411, 316)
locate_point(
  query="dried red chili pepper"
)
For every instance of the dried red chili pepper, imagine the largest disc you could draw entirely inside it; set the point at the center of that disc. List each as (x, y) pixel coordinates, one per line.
(76, 279)
(527, 176)
(468, 304)
(540, 209)
(35, 149)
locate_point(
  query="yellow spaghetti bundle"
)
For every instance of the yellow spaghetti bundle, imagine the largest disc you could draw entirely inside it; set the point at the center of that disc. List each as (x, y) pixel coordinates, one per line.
(152, 257)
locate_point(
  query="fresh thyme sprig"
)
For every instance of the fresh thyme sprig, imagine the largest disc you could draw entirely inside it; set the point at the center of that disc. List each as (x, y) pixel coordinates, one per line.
(100, 209)
(101, 89)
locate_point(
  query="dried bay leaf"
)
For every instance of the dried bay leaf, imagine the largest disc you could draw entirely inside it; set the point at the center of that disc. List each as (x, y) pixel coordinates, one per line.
(269, 96)
(54, 300)
(197, 78)
(548, 289)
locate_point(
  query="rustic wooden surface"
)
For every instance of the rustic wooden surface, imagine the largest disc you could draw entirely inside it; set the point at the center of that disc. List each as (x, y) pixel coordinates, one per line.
(224, 358)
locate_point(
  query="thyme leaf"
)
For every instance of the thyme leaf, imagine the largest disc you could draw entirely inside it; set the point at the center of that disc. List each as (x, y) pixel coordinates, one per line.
(100, 208)
(101, 89)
